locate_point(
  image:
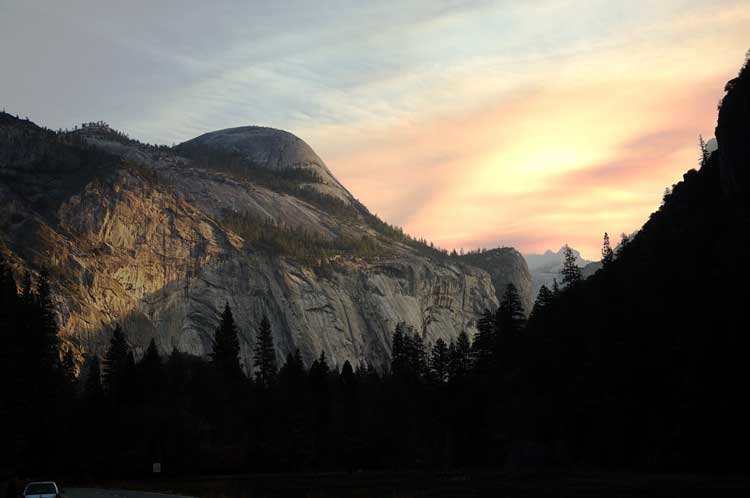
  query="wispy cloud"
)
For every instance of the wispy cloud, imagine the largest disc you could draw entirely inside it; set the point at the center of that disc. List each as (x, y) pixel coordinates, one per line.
(470, 123)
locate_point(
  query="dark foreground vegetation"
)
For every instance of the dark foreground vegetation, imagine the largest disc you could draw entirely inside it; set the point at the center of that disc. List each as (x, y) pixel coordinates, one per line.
(642, 366)
(456, 484)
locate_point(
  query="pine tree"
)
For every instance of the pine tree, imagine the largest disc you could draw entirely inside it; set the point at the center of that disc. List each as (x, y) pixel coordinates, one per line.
(510, 321)
(705, 155)
(93, 390)
(115, 362)
(665, 197)
(30, 349)
(371, 374)
(511, 316)
(151, 359)
(555, 286)
(151, 377)
(483, 346)
(460, 358)
(129, 383)
(624, 241)
(321, 404)
(398, 350)
(744, 73)
(543, 299)
(607, 254)
(451, 361)
(409, 357)
(292, 372)
(226, 353)
(417, 356)
(319, 370)
(11, 352)
(49, 340)
(348, 386)
(265, 355)
(571, 273)
(439, 362)
(347, 378)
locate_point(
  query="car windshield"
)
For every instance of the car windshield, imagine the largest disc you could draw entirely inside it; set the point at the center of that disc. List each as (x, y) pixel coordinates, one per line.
(41, 488)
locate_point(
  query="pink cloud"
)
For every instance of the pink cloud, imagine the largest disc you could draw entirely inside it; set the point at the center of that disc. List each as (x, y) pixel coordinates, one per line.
(545, 163)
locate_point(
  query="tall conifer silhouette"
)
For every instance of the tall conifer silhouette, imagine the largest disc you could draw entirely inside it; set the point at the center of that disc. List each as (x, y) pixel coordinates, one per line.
(116, 362)
(439, 362)
(607, 254)
(226, 353)
(265, 355)
(571, 272)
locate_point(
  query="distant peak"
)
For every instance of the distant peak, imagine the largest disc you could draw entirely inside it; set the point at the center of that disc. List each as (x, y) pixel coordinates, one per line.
(561, 251)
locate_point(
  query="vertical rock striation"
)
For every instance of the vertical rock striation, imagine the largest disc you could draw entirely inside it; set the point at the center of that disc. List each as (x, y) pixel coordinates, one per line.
(136, 234)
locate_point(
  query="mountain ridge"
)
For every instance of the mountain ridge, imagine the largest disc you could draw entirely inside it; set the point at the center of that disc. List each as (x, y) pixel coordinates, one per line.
(271, 149)
(546, 267)
(141, 235)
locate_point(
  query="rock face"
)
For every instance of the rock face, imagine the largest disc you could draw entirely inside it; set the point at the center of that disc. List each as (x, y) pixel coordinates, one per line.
(505, 266)
(137, 235)
(268, 149)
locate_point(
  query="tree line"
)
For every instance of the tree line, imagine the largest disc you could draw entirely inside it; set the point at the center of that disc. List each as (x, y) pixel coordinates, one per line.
(640, 366)
(302, 245)
(192, 414)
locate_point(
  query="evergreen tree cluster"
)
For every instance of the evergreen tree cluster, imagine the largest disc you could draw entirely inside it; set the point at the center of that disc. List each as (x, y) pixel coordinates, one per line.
(196, 415)
(300, 244)
(34, 372)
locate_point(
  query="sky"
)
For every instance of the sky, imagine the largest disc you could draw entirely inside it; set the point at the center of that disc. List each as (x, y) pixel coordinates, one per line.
(471, 124)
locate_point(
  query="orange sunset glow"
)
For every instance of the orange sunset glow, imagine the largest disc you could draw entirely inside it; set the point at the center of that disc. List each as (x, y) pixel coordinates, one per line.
(470, 124)
(564, 150)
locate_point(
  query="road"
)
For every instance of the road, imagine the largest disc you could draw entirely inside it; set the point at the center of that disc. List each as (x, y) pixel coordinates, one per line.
(113, 493)
(444, 485)
(429, 485)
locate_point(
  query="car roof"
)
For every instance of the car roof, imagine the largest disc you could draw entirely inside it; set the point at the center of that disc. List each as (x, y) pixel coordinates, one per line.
(41, 482)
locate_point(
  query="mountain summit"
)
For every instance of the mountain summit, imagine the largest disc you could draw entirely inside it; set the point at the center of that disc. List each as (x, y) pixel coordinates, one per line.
(256, 147)
(159, 239)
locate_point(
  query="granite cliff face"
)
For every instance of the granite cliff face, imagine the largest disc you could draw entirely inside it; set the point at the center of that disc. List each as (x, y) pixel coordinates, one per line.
(277, 151)
(505, 265)
(139, 235)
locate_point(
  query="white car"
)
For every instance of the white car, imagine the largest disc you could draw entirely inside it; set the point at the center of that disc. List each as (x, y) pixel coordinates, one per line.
(42, 490)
